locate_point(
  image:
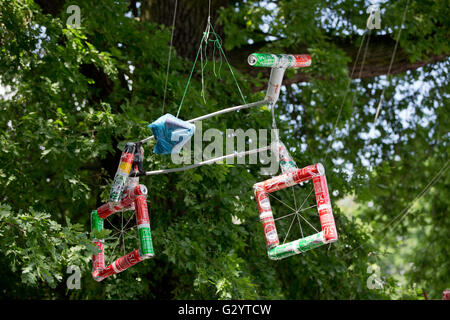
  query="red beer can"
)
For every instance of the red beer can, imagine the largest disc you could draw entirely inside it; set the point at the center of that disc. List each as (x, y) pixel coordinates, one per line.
(308, 172)
(105, 210)
(270, 232)
(262, 200)
(126, 261)
(140, 204)
(130, 196)
(324, 208)
(128, 199)
(446, 295)
(301, 60)
(102, 274)
(98, 260)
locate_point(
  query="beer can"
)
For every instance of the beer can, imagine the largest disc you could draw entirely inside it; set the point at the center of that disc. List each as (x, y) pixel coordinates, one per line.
(145, 241)
(98, 259)
(106, 210)
(140, 204)
(279, 60)
(97, 223)
(102, 274)
(123, 171)
(446, 295)
(126, 261)
(287, 164)
(143, 225)
(127, 201)
(266, 216)
(296, 246)
(270, 230)
(130, 195)
(262, 200)
(324, 208)
(274, 86)
(307, 173)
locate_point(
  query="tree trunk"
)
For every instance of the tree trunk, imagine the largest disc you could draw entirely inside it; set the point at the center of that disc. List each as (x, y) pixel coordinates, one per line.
(190, 21)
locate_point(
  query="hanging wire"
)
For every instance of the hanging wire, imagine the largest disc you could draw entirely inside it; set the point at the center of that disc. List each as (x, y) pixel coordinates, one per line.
(367, 32)
(170, 53)
(408, 208)
(346, 92)
(218, 43)
(392, 61)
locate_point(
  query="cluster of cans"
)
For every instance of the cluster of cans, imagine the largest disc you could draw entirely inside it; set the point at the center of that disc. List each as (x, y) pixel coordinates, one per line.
(278, 63)
(126, 194)
(291, 176)
(279, 60)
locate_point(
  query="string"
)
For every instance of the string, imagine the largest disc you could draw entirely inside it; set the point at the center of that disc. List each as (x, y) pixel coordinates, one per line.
(345, 94)
(406, 211)
(170, 53)
(189, 79)
(392, 61)
(217, 42)
(203, 66)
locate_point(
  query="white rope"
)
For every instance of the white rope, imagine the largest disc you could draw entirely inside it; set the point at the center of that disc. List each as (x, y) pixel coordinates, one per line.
(202, 163)
(271, 195)
(293, 219)
(300, 226)
(295, 212)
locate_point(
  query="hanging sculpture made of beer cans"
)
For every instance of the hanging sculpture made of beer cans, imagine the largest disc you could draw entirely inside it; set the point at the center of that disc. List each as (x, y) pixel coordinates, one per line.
(126, 194)
(290, 177)
(171, 134)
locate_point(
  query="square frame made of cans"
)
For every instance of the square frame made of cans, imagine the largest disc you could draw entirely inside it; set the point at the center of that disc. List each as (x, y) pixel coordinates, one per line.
(316, 173)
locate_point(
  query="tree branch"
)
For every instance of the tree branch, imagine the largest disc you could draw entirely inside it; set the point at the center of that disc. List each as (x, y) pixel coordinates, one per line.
(377, 59)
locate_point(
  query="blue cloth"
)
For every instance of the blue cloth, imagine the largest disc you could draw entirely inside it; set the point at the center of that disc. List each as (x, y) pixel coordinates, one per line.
(171, 134)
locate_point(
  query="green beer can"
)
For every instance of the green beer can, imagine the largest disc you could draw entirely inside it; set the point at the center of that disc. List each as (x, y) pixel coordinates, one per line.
(279, 60)
(96, 222)
(145, 241)
(296, 247)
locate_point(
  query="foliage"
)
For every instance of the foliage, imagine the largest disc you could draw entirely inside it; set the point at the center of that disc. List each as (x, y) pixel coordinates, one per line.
(40, 249)
(77, 95)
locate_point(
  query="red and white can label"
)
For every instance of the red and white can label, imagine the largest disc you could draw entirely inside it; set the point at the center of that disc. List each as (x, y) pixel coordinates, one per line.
(140, 205)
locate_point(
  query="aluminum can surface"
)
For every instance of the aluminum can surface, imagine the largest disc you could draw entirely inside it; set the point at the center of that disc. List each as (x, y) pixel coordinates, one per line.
(127, 201)
(97, 223)
(279, 60)
(296, 247)
(143, 225)
(98, 260)
(446, 295)
(287, 164)
(325, 209)
(123, 171)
